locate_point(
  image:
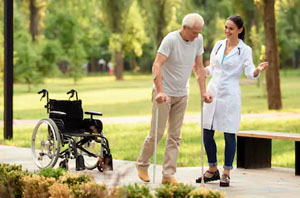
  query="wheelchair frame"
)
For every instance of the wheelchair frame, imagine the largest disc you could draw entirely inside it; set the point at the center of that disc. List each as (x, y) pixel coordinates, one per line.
(66, 129)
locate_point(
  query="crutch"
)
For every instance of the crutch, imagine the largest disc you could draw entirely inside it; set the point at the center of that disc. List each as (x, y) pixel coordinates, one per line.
(155, 142)
(202, 143)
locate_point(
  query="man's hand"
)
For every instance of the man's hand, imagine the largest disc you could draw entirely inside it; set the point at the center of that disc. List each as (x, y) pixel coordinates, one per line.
(161, 97)
(207, 97)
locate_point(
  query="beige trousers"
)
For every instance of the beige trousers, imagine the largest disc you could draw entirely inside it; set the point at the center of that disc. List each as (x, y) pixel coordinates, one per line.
(173, 112)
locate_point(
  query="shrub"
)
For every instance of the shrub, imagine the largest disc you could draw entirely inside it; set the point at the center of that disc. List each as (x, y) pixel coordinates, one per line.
(51, 172)
(73, 180)
(37, 186)
(90, 190)
(136, 191)
(205, 193)
(58, 190)
(173, 191)
(10, 180)
(117, 192)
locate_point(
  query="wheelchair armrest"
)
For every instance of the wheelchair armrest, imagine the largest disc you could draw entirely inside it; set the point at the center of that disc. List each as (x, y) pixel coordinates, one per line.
(57, 113)
(93, 113)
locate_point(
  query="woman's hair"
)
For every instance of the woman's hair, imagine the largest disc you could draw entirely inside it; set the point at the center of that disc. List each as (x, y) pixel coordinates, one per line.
(239, 23)
(190, 19)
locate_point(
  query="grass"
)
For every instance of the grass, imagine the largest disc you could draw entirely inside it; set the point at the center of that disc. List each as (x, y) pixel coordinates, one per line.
(126, 141)
(131, 97)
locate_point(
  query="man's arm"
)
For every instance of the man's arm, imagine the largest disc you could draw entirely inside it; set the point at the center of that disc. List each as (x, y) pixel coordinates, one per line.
(200, 73)
(160, 59)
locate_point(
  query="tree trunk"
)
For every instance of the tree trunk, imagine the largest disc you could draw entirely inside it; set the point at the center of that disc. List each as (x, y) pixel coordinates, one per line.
(33, 20)
(161, 25)
(93, 66)
(295, 59)
(272, 73)
(119, 67)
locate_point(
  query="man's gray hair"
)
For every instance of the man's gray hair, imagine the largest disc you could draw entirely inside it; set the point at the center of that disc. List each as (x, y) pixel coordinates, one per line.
(190, 19)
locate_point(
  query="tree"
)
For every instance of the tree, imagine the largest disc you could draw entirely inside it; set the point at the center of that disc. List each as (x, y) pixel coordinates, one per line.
(26, 57)
(288, 33)
(37, 10)
(134, 35)
(272, 74)
(113, 12)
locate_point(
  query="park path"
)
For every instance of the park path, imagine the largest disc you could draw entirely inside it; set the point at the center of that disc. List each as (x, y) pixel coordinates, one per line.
(188, 118)
(245, 183)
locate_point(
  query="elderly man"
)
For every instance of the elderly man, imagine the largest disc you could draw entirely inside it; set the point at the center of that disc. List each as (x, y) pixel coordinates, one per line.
(179, 53)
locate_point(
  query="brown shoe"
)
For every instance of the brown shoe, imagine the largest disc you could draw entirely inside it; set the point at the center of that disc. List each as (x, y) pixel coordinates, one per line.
(169, 180)
(143, 174)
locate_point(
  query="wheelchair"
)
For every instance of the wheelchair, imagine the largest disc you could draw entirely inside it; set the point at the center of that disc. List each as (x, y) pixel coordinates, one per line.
(67, 135)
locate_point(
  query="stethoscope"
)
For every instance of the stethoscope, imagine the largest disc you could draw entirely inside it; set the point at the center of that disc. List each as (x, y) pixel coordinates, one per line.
(220, 47)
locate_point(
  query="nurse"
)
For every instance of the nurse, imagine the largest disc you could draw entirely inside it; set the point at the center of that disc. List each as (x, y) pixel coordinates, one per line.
(228, 60)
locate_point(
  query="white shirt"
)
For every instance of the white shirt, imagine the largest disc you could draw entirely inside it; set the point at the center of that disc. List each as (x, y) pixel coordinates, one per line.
(181, 54)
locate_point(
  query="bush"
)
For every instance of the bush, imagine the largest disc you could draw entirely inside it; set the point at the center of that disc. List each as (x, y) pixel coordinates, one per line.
(58, 190)
(37, 186)
(10, 180)
(117, 192)
(90, 190)
(205, 193)
(51, 172)
(174, 191)
(136, 191)
(74, 180)
(56, 183)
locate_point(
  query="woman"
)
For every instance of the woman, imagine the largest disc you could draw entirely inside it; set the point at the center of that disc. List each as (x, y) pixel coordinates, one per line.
(228, 59)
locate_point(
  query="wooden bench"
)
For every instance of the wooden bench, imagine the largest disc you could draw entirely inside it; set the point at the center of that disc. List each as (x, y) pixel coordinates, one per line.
(254, 148)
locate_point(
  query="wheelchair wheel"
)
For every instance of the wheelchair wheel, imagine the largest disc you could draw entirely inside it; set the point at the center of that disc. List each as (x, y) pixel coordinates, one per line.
(45, 143)
(94, 147)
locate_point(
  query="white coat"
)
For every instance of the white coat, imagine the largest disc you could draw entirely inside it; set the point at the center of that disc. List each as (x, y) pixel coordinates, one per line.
(224, 113)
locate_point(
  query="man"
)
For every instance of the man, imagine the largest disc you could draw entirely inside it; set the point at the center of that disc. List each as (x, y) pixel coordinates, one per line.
(179, 53)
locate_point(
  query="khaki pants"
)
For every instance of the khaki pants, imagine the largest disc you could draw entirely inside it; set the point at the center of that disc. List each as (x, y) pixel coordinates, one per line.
(173, 111)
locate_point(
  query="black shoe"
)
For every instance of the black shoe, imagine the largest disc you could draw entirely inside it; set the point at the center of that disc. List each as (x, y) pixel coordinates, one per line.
(225, 180)
(215, 176)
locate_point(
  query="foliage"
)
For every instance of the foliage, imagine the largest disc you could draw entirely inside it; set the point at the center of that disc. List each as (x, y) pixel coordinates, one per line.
(10, 180)
(27, 58)
(36, 186)
(75, 179)
(137, 191)
(16, 183)
(51, 172)
(51, 54)
(72, 33)
(205, 193)
(90, 190)
(174, 191)
(134, 35)
(58, 190)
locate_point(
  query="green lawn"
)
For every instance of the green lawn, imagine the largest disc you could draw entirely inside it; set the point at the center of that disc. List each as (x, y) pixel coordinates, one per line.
(126, 141)
(131, 97)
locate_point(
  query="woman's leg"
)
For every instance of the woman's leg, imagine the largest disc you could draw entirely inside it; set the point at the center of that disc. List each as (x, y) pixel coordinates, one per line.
(230, 146)
(210, 148)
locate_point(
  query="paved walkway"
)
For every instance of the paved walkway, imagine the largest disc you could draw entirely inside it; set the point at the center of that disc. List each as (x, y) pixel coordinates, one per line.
(188, 118)
(245, 183)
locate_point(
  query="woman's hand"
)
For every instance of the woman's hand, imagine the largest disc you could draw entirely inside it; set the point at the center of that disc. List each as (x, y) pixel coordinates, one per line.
(207, 97)
(262, 66)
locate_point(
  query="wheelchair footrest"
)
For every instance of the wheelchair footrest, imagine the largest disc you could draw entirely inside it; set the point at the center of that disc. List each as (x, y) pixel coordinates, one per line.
(80, 163)
(105, 163)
